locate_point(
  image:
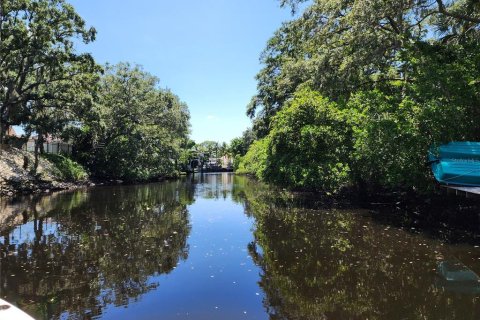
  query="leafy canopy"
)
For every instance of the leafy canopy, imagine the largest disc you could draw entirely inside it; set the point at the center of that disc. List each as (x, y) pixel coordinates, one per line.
(39, 67)
(136, 128)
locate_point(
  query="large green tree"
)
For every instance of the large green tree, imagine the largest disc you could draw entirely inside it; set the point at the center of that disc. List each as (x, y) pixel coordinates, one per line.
(67, 102)
(308, 146)
(341, 46)
(405, 75)
(38, 59)
(136, 129)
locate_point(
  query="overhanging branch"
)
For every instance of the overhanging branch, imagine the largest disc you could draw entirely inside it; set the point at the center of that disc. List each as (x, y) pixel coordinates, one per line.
(459, 16)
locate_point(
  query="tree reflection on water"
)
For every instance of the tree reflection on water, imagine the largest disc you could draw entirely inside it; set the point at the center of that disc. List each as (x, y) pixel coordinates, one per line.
(342, 264)
(74, 255)
(81, 251)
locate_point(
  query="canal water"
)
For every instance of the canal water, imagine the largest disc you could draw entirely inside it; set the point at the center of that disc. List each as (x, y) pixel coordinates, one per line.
(220, 246)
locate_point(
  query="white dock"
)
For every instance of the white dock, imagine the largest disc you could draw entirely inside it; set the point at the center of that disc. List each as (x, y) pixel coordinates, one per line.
(466, 190)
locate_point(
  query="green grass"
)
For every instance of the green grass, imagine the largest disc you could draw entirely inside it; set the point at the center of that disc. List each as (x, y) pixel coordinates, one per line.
(68, 169)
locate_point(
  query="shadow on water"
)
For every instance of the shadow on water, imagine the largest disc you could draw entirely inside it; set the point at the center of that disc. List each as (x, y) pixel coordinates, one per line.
(77, 252)
(383, 262)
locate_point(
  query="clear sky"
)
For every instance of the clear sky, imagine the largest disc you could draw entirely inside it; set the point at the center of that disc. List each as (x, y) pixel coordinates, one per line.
(207, 52)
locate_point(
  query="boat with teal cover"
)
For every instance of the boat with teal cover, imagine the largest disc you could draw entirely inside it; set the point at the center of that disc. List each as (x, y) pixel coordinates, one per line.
(456, 163)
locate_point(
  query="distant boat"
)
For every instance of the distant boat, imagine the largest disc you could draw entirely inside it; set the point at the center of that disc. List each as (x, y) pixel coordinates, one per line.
(9, 312)
(456, 163)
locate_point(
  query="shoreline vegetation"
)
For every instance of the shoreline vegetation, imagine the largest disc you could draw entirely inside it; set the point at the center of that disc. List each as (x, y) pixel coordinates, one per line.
(18, 177)
(118, 122)
(54, 173)
(353, 94)
(351, 97)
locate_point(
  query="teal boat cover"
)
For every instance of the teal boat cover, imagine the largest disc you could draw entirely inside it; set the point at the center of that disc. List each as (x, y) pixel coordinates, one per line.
(456, 163)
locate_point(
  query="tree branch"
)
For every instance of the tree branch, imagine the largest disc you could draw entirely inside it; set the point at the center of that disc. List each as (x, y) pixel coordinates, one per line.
(394, 25)
(459, 16)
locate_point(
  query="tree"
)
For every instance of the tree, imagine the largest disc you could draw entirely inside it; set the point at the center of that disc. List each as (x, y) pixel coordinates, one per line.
(255, 161)
(308, 147)
(67, 103)
(339, 47)
(187, 154)
(209, 148)
(137, 129)
(239, 146)
(37, 54)
(404, 74)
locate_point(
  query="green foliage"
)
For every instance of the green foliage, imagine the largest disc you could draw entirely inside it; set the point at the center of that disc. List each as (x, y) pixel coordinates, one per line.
(66, 168)
(340, 47)
(236, 162)
(39, 69)
(403, 76)
(123, 124)
(186, 155)
(393, 129)
(309, 144)
(239, 146)
(136, 130)
(209, 149)
(255, 161)
(389, 148)
(307, 148)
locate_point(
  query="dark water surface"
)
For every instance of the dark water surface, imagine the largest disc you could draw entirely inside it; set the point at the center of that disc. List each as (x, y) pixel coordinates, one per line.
(221, 246)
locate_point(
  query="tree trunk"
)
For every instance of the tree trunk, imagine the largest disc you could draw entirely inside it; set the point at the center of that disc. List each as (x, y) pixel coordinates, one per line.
(35, 152)
(38, 149)
(2, 108)
(4, 124)
(42, 141)
(2, 134)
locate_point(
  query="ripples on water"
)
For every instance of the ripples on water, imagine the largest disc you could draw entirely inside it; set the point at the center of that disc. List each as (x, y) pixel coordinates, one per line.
(221, 246)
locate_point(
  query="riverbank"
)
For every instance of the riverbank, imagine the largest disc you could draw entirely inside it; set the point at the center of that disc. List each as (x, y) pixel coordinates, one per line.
(17, 177)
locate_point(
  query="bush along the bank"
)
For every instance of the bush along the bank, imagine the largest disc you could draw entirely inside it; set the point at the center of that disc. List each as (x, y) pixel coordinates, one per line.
(308, 146)
(255, 161)
(67, 169)
(389, 145)
(373, 139)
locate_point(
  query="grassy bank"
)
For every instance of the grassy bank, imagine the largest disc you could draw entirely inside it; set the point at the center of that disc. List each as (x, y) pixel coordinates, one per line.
(54, 172)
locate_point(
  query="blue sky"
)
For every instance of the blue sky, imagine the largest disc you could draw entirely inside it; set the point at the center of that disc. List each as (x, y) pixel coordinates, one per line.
(207, 52)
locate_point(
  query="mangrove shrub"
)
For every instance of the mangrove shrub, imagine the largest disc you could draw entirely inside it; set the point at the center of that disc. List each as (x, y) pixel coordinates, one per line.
(307, 148)
(309, 144)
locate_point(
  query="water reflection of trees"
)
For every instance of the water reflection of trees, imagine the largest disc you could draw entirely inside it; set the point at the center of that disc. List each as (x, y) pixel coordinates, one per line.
(102, 250)
(339, 264)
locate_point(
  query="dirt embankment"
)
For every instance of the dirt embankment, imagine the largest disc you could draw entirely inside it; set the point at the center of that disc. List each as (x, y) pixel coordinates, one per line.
(17, 177)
